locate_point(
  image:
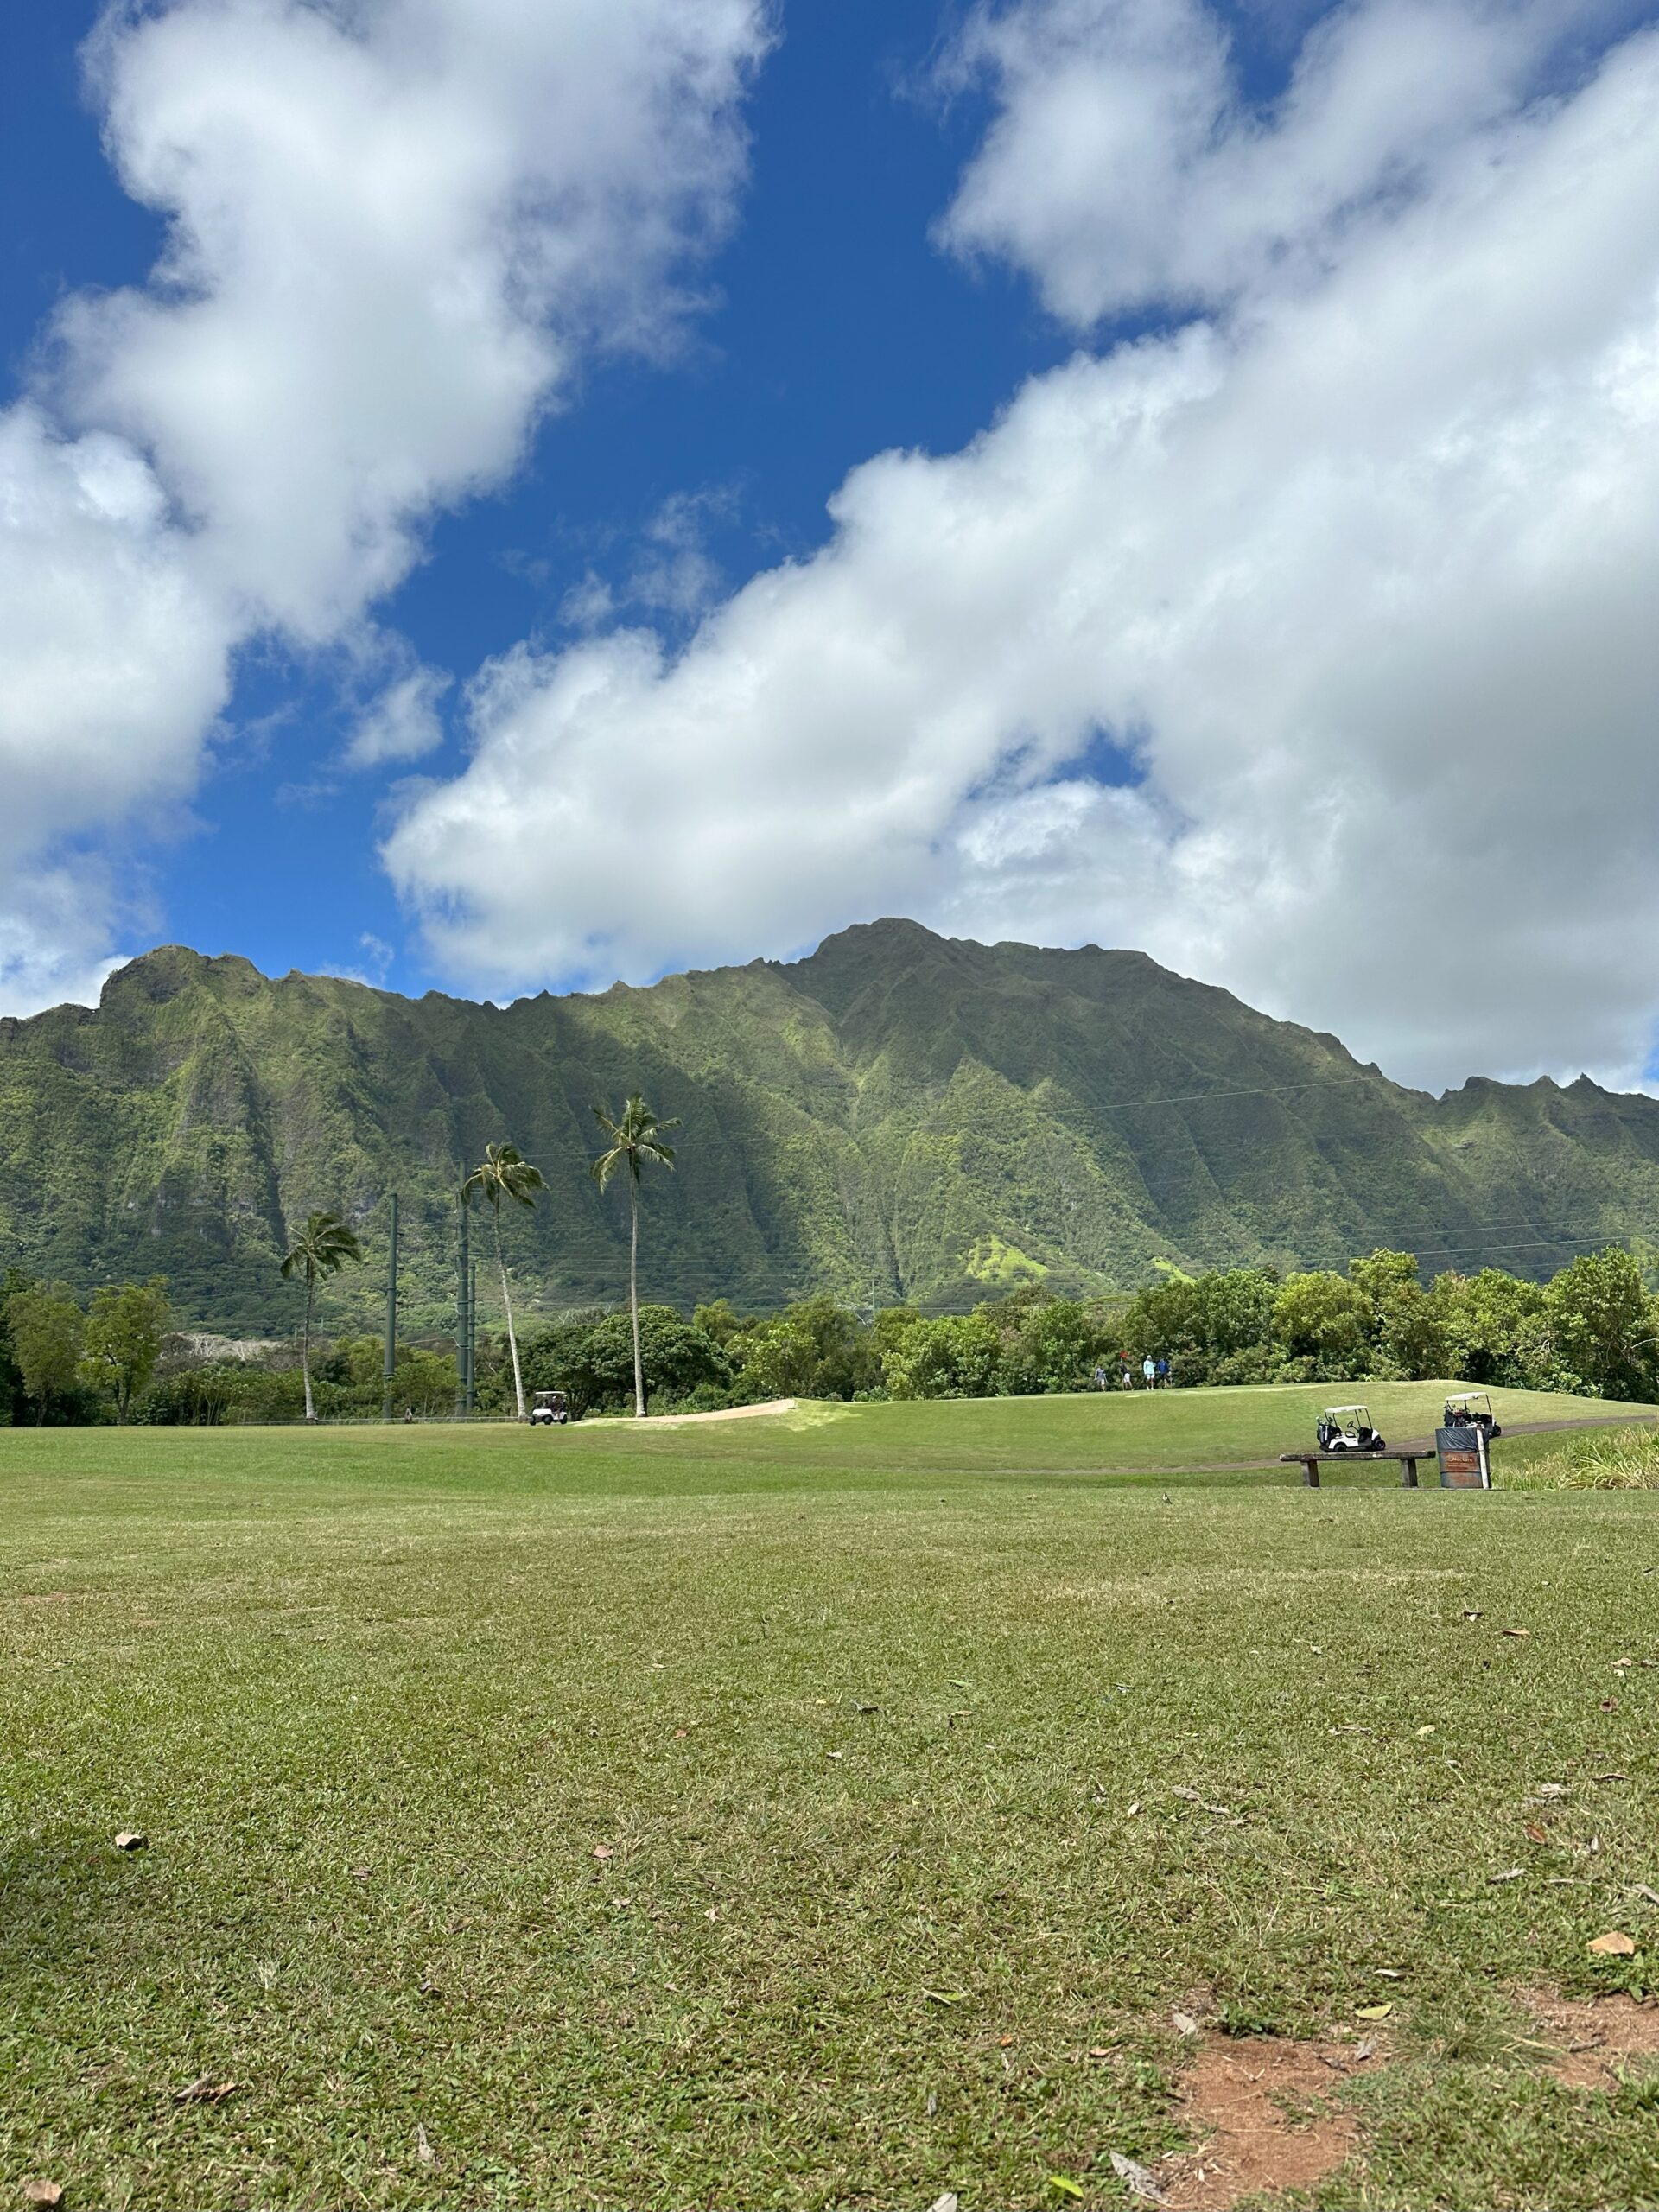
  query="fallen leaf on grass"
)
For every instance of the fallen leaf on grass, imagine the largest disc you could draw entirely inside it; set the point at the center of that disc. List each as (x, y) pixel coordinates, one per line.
(1100, 2051)
(38, 2190)
(1391, 1973)
(1372, 2011)
(1133, 1810)
(1611, 1776)
(1615, 1944)
(1509, 1874)
(423, 2150)
(1192, 1796)
(1533, 1833)
(1184, 2024)
(949, 2203)
(602, 1851)
(1553, 1789)
(1515, 1632)
(948, 1997)
(1366, 2050)
(1138, 2181)
(713, 1913)
(835, 1755)
(204, 2090)
(1647, 1895)
(132, 1840)
(1427, 1728)
(1065, 2184)
(1609, 1704)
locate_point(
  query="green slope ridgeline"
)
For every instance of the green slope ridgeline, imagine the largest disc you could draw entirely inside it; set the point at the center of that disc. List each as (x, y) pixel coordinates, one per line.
(900, 1113)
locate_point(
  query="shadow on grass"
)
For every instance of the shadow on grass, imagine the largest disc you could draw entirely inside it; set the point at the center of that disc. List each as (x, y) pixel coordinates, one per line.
(70, 1899)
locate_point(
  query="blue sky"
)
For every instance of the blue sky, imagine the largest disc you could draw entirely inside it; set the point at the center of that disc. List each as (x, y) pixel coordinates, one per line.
(836, 330)
(1244, 513)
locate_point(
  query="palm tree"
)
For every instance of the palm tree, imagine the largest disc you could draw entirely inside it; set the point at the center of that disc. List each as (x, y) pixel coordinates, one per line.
(636, 1138)
(322, 1247)
(504, 1173)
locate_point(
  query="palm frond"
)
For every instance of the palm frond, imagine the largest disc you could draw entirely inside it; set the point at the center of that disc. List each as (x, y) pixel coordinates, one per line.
(504, 1173)
(323, 1247)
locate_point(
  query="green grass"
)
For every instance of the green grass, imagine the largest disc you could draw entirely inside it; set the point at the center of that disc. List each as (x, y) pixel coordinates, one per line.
(379, 1697)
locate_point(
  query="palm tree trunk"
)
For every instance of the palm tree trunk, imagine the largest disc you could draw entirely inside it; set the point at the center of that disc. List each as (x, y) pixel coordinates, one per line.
(506, 1302)
(633, 1296)
(305, 1345)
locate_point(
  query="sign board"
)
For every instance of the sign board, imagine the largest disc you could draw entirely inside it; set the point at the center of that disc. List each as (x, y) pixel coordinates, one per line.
(1463, 1463)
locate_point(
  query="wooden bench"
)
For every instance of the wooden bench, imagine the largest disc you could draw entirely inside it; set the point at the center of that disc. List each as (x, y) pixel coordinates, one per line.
(1311, 1462)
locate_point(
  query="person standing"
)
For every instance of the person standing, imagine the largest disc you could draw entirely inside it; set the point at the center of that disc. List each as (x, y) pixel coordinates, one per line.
(1149, 1369)
(1100, 1376)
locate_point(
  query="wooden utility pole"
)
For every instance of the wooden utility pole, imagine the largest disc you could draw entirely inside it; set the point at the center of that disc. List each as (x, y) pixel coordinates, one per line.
(390, 1367)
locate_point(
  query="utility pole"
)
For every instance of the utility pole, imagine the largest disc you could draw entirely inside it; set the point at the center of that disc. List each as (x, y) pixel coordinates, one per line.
(390, 1366)
(464, 1317)
(472, 1337)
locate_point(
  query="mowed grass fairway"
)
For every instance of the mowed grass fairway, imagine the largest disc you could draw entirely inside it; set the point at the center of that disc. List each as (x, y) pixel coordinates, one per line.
(782, 1812)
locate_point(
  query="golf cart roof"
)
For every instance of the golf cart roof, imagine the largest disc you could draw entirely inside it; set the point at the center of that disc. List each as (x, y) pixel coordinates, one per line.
(1347, 1409)
(1465, 1397)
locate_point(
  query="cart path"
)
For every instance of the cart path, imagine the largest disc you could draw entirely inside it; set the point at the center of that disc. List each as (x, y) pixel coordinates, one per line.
(684, 1420)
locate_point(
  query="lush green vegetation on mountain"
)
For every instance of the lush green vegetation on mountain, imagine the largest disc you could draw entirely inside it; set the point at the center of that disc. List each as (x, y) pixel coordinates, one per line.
(898, 1116)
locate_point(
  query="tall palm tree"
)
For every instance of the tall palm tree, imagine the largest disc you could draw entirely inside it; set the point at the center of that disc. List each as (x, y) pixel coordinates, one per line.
(322, 1247)
(634, 1139)
(504, 1173)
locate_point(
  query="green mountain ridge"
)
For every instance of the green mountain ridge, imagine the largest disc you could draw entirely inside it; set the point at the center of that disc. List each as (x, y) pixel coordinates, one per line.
(897, 1115)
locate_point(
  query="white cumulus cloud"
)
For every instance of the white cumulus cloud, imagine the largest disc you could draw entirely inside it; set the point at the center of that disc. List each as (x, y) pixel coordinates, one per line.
(1352, 581)
(1124, 170)
(395, 229)
(402, 723)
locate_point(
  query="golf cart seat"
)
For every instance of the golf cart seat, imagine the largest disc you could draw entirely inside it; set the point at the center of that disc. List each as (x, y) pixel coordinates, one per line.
(1348, 1428)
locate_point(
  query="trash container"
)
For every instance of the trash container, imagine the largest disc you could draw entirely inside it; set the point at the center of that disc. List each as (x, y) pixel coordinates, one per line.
(1464, 1461)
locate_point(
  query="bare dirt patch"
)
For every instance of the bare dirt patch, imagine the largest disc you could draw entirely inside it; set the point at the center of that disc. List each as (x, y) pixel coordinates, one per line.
(1261, 2108)
(1588, 2043)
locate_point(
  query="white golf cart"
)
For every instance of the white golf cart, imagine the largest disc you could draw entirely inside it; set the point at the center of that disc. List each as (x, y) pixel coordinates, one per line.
(549, 1410)
(1471, 1409)
(1348, 1428)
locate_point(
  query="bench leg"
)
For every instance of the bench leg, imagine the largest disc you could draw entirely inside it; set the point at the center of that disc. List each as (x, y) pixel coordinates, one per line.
(1408, 1474)
(1310, 1474)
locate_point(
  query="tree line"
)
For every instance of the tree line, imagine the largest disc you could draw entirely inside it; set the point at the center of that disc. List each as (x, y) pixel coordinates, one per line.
(1592, 1329)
